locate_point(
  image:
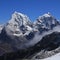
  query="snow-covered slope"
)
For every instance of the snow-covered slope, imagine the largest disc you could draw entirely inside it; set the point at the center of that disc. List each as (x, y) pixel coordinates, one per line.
(20, 28)
(18, 24)
(20, 32)
(45, 22)
(16, 29)
(55, 57)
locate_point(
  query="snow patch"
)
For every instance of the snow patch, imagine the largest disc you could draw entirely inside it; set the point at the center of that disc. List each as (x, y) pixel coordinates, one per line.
(55, 57)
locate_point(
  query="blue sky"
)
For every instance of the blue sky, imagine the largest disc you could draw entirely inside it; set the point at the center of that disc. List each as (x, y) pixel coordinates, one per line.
(32, 8)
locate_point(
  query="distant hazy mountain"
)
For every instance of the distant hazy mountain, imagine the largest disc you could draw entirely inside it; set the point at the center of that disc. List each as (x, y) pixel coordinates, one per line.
(36, 40)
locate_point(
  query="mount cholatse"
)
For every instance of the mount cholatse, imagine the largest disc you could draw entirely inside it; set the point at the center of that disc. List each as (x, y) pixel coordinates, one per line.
(21, 38)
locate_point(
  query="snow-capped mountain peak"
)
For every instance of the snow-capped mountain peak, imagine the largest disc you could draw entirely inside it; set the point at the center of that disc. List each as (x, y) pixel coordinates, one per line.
(17, 13)
(47, 14)
(19, 23)
(46, 21)
(19, 18)
(20, 33)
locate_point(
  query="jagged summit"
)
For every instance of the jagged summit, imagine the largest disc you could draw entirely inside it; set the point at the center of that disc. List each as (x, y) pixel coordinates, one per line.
(19, 18)
(47, 14)
(18, 13)
(18, 24)
(46, 21)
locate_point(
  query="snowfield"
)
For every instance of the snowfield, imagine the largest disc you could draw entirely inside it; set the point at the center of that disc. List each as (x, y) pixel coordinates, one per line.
(55, 57)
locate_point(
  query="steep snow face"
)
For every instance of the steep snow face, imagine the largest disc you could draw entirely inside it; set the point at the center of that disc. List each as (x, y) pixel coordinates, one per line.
(19, 18)
(46, 21)
(19, 24)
